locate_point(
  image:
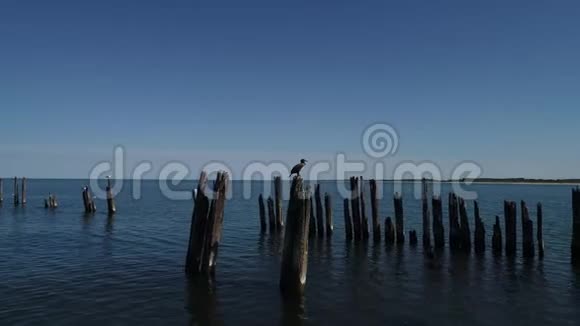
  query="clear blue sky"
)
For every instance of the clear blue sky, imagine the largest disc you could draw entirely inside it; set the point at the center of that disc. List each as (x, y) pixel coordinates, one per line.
(497, 82)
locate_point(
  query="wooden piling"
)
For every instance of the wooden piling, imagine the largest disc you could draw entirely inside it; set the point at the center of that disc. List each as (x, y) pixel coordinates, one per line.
(413, 238)
(426, 214)
(1, 191)
(262, 207)
(206, 226)
(496, 241)
(527, 232)
(540, 231)
(375, 211)
(389, 231)
(278, 202)
(23, 200)
(438, 228)
(399, 219)
(576, 226)
(295, 252)
(363, 212)
(88, 201)
(111, 208)
(510, 212)
(479, 233)
(50, 202)
(319, 212)
(465, 232)
(312, 223)
(16, 192)
(271, 215)
(355, 208)
(347, 220)
(454, 228)
(328, 212)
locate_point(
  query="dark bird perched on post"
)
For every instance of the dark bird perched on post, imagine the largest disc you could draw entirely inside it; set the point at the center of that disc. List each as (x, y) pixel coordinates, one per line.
(296, 169)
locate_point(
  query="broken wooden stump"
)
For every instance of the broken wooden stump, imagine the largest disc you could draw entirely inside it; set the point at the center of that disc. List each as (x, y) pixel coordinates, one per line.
(576, 226)
(426, 214)
(319, 212)
(399, 221)
(389, 231)
(111, 208)
(23, 200)
(479, 233)
(413, 238)
(271, 215)
(496, 240)
(355, 208)
(438, 228)
(347, 220)
(527, 232)
(454, 227)
(278, 202)
(540, 231)
(328, 212)
(375, 211)
(363, 212)
(510, 212)
(294, 263)
(262, 208)
(16, 192)
(206, 226)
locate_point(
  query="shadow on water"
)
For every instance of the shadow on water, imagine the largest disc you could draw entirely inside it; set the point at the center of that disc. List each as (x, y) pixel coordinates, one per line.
(201, 301)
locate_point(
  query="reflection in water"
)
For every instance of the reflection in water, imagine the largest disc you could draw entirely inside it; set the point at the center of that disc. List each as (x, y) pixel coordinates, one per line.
(292, 310)
(109, 225)
(201, 302)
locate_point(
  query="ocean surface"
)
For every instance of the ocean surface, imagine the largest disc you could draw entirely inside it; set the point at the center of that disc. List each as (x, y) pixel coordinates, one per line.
(62, 267)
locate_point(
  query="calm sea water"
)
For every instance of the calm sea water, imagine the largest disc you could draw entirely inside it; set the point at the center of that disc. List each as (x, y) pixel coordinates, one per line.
(64, 268)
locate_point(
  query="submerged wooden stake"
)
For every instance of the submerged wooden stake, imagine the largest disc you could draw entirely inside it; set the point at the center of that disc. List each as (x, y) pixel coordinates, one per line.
(262, 207)
(278, 202)
(399, 221)
(527, 232)
(111, 208)
(295, 252)
(540, 232)
(510, 212)
(375, 211)
(319, 212)
(271, 215)
(389, 231)
(496, 240)
(206, 226)
(355, 208)
(479, 233)
(328, 212)
(23, 200)
(426, 214)
(438, 228)
(347, 220)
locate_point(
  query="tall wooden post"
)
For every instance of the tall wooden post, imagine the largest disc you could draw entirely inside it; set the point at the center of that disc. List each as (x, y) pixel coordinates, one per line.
(1, 191)
(262, 207)
(23, 201)
(399, 220)
(389, 231)
(312, 223)
(295, 252)
(496, 240)
(413, 238)
(328, 211)
(375, 211)
(111, 208)
(426, 214)
(355, 208)
(438, 228)
(16, 192)
(464, 228)
(454, 228)
(347, 220)
(540, 234)
(527, 232)
(363, 211)
(510, 211)
(278, 202)
(479, 234)
(319, 212)
(271, 215)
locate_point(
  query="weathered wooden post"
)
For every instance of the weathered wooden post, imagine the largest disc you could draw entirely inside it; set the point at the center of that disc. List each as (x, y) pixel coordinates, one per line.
(263, 225)
(88, 201)
(426, 214)
(389, 231)
(355, 208)
(454, 228)
(319, 212)
(465, 232)
(479, 233)
(111, 208)
(271, 215)
(347, 220)
(278, 202)
(438, 228)
(496, 241)
(312, 223)
(375, 211)
(399, 219)
(363, 212)
(576, 226)
(527, 232)
(328, 212)
(206, 226)
(50, 202)
(295, 252)
(1, 191)
(23, 200)
(413, 238)
(16, 193)
(510, 211)
(540, 232)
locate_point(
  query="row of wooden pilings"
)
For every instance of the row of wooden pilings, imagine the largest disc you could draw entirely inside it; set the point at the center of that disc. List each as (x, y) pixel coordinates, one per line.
(19, 198)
